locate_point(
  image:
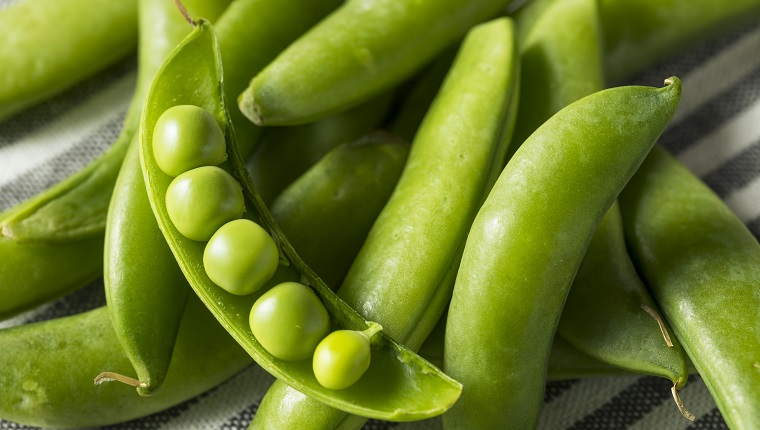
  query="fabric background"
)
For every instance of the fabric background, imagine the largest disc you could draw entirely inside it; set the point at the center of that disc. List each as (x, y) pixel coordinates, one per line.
(716, 134)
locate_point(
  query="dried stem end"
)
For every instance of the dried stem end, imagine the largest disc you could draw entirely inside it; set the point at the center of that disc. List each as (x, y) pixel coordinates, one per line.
(110, 376)
(660, 323)
(688, 415)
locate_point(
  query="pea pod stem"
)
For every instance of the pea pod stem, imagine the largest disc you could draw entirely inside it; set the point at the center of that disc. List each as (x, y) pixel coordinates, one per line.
(660, 323)
(112, 376)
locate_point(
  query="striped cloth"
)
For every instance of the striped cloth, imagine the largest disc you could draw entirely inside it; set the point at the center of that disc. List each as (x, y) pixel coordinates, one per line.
(716, 134)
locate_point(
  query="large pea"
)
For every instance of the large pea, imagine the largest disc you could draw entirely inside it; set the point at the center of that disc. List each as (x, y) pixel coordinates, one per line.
(341, 359)
(202, 200)
(240, 257)
(289, 321)
(186, 137)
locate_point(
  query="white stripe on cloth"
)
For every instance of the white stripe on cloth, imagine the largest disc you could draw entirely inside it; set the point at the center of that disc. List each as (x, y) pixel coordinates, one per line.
(696, 399)
(582, 399)
(719, 74)
(726, 142)
(746, 202)
(66, 132)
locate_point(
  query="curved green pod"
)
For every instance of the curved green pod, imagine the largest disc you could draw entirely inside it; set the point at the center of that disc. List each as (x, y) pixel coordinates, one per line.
(610, 315)
(47, 379)
(49, 45)
(251, 34)
(637, 33)
(284, 153)
(400, 373)
(87, 344)
(368, 45)
(527, 242)
(703, 266)
(561, 59)
(451, 166)
(145, 290)
(376, 162)
(56, 237)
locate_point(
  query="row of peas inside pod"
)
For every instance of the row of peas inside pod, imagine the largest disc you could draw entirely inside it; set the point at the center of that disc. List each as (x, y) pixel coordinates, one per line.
(205, 203)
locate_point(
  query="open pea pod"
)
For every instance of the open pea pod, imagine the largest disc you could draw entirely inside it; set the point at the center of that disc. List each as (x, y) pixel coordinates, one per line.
(411, 387)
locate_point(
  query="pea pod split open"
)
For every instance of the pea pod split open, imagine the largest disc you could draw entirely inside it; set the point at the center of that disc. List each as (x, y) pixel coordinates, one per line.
(192, 75)
(527, 242)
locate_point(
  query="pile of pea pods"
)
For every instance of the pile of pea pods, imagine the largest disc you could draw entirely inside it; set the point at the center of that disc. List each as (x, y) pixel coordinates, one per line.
(400, 209)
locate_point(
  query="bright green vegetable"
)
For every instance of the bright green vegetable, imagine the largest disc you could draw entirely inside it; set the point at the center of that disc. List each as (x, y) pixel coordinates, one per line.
(609, 313)
(289, 321)
(49, 45)
(145, 290)
(187, 137)
(47, 370)
(703, 266)
(395, 370)
(201, 200)
(240, 257)
(369, 45)
(284, 153)
(376, 162)
(399, 279)
(527, 242)
(53, 242)
(341, 358)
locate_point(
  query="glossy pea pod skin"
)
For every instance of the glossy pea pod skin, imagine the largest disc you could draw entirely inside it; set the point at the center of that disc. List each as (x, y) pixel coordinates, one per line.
(284, 153)
(251, 34)
(561, 60)
(605, 314)
(370, 45)
(145, 290)
(451, 166)
(378, 155)
(638, 33)
(87, 343)
(46, 380)
(394, 369)
(703, 266)
(527, 243)
(49, 45)
(55, 239)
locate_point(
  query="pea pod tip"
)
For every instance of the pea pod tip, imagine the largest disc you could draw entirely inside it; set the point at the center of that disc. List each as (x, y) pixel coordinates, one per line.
(248, 107)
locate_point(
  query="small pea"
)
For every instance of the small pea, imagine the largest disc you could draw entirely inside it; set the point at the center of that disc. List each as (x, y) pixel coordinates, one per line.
(201, 200)
(240, 257)
(341, 359)
(186, 137)
(289, 321)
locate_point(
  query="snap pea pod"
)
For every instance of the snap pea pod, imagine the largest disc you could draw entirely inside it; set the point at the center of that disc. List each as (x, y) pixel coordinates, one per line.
(145, 290)
(378, 153)
(561, 59)
(269, 26)
(87, 344)
(55, 239)
(395, 370)
(37, 390)
(703, 267)
(565, 361)
(610, 315)
(637, 33)
(562, 62)
(369, 45)
(87, 36)
(301, 147)
(527, 242)
(398, 279)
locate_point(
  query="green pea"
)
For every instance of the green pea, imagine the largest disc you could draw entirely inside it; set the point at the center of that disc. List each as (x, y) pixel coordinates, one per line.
(240, 257)
(186, 137)
(289, 321)
(202, 200)
(341, 359)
